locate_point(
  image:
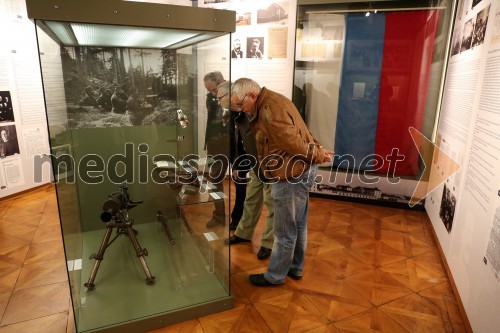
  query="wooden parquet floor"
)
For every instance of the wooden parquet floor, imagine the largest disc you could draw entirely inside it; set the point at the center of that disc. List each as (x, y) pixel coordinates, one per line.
(368, 269)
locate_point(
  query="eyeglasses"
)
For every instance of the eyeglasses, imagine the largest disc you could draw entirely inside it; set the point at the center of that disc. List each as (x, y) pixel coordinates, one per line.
(221, 97)
(240, 104)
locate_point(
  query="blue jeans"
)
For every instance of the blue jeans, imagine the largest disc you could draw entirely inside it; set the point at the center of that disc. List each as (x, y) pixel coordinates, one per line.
(291, 207)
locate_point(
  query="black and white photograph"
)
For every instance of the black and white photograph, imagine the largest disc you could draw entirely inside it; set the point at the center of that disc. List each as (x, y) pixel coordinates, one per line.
(274, 13)
(236, 51)
(8, 141)
(6, 111)
(467, 35)
(255, 47)
(447, 208)
(457, 41)
(480, 28)
(116, 87)
(475, 3)
(361, 192)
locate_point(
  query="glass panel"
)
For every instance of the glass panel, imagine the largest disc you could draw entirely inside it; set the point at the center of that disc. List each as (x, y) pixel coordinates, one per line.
(124, 133)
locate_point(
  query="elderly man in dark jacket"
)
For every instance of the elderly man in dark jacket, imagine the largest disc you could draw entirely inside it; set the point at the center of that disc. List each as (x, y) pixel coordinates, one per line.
(216, 142)
(288, 155)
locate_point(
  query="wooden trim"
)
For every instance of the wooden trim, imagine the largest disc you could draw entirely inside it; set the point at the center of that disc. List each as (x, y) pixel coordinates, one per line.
(461, 307)
(130, 13)
(30, 190)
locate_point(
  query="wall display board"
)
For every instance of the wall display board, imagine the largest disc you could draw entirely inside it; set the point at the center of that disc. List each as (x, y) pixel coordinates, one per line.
(368, 74)
(23, 132)
(465, 210)
(260, 47)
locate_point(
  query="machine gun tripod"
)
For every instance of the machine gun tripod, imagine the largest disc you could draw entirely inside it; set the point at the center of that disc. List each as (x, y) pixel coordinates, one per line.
(116, 216)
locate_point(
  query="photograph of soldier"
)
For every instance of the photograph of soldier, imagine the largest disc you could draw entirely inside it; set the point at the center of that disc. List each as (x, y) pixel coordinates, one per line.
(104, 99)
(6, 112)
(88, 98)
(480, 28)
(119, 101)
(116, 87)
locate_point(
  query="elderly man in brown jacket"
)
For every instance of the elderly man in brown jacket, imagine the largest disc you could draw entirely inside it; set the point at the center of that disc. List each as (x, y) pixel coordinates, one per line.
(288, 154)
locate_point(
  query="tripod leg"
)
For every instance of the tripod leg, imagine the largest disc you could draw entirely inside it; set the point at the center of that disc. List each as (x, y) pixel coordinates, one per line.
(98, 258)
(140, 254)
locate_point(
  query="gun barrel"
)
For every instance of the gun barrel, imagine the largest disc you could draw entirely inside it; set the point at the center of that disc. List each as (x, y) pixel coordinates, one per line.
(161, 218)
(107, 216)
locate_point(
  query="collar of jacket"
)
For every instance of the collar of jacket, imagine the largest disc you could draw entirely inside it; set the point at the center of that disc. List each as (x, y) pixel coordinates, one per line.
(259, 102)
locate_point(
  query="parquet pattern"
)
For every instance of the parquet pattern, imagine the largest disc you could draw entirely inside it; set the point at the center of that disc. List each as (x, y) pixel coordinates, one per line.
(368, 269)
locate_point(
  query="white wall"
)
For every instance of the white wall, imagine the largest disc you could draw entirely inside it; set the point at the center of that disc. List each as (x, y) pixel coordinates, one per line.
(20, 77)
(469, 128)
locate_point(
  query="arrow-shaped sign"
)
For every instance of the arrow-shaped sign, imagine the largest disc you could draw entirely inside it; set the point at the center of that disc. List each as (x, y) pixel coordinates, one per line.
(442, 166)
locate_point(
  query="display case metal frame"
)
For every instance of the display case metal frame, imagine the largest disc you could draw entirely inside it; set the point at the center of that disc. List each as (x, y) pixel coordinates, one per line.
(132, 13)
(206, 23)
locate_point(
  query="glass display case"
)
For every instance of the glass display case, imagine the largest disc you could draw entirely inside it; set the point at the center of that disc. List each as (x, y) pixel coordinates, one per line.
(127, 115)
(365, 74)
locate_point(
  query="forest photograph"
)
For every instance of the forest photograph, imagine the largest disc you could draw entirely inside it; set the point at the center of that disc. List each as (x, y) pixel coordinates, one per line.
(115, 87)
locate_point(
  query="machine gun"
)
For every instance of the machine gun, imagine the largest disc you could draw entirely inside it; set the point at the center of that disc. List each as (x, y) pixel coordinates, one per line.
(115, 215)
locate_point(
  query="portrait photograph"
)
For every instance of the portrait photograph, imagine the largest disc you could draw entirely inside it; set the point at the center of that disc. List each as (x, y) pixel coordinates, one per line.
(8, 141)
(255, 47)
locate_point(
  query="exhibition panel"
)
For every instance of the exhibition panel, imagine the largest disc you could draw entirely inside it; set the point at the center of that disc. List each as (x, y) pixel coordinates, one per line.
(134, 192)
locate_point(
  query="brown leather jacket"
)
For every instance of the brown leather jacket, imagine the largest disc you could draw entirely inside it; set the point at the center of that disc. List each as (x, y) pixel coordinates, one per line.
(285, 146)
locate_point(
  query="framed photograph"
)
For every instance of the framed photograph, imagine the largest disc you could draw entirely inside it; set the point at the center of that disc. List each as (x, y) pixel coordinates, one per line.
(8, 141)
(6, 111)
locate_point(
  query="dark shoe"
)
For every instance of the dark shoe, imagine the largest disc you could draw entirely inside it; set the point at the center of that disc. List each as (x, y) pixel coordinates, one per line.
(263, 253)
(235, 240)
(293, 276)
(234, 225)
(215, 221)
(259, 280)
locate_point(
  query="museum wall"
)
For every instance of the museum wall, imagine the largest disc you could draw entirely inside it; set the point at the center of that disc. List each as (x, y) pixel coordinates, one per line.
(22, 114)
(465, 208)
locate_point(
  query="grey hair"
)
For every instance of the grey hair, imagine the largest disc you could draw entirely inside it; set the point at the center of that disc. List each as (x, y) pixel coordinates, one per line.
(216, 76)
(224, 87)
(244, 86)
